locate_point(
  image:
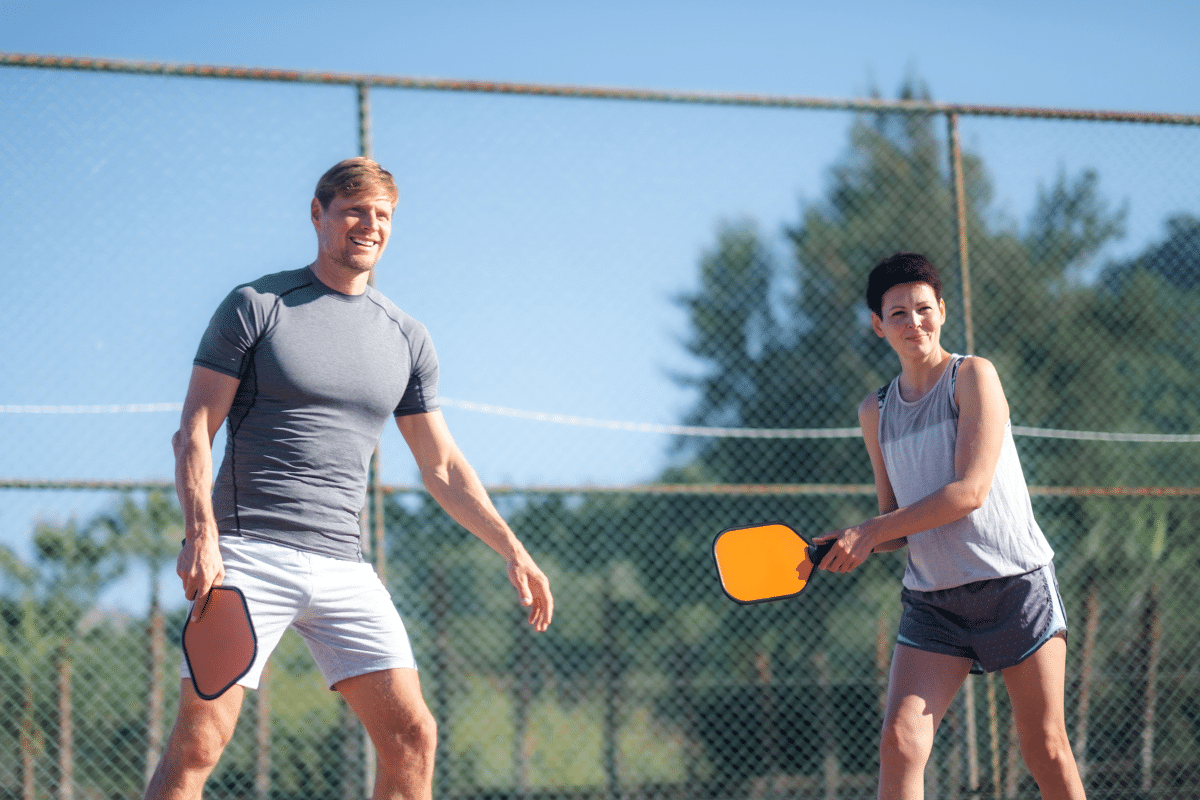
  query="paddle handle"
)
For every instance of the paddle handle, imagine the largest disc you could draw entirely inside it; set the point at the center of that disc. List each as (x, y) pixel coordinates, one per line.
(816, 552)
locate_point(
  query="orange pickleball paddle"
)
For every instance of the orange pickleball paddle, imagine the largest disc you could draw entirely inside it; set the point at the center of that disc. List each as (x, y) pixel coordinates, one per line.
(758, 563)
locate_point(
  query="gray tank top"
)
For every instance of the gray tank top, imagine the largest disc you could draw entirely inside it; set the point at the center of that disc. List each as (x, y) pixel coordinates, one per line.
(997, 540)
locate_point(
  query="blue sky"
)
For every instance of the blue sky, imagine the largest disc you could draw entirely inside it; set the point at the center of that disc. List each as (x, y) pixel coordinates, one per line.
(541, 241)
(1101, 54)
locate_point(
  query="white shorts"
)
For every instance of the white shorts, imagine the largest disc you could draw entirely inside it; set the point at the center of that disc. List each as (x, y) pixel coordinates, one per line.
(340, 608)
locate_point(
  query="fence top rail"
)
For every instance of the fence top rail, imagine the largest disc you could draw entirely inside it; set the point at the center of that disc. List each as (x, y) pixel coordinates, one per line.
(580, 92)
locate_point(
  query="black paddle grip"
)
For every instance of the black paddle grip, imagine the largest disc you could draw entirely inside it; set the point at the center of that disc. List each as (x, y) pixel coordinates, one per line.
(816, 552)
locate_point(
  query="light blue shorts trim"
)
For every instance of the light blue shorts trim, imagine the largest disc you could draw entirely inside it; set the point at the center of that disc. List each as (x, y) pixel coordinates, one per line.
(340, 608)
(996, 623)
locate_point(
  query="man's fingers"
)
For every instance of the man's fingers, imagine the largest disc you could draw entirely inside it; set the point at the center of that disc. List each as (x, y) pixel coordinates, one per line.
(540, 616)
(543, 608)
(201, 595)
(198, 605)
(520, 582)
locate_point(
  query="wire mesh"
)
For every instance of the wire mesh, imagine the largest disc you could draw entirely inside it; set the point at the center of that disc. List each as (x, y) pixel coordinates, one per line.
(650, 323)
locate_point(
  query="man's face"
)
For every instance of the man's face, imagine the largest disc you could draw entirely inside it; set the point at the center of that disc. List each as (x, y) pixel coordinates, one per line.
(353, 231)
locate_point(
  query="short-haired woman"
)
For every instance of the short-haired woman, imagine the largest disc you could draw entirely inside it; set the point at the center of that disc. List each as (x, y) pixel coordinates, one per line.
(979, 586)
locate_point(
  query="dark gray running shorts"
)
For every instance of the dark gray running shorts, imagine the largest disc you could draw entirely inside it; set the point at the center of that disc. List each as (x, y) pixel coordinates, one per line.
(996, 623)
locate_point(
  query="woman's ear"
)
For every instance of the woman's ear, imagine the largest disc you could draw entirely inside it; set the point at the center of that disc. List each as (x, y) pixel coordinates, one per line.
(877, 324)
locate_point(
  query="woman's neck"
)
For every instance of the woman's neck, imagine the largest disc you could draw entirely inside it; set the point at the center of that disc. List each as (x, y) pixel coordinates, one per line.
(918, 377)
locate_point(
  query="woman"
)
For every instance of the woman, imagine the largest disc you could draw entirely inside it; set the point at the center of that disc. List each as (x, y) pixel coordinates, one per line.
(979, 586)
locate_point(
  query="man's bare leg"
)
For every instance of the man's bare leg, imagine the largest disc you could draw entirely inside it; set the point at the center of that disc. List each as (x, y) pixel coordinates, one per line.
(201, 731)
(401, 727)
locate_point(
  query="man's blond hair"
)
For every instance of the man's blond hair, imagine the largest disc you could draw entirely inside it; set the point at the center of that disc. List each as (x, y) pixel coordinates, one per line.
(354, 177)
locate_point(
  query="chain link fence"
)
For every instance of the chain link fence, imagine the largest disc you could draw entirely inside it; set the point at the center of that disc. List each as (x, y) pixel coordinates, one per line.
(666, 337)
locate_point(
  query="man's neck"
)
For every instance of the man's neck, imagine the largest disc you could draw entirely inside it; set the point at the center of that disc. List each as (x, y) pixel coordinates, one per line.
(339, 278)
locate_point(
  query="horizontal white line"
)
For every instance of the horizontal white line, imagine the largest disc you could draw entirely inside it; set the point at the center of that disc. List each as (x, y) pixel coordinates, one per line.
(650, 427)
(789, 433)
(642, 427)
(134, 408)
(1100, 436)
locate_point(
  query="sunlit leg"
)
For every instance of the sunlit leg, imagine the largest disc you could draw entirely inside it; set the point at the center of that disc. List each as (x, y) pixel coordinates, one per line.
(201, 731)
(920, 689)
(1036, 689)
(400, 725)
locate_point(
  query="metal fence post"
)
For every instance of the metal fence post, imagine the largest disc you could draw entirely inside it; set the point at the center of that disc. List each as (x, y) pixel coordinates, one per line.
(960, 227)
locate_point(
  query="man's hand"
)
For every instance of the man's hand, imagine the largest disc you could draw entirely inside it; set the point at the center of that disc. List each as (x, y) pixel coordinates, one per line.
(200, 568)
(533, 590)
(454, 485)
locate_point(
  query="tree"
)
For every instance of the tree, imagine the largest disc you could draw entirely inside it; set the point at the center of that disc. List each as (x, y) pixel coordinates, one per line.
(71, 565)
(149, 533)
(1176, 259)
(786, 343)
(25, 650)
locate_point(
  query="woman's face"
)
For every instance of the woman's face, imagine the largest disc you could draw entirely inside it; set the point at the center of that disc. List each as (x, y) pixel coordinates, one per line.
(912, 319)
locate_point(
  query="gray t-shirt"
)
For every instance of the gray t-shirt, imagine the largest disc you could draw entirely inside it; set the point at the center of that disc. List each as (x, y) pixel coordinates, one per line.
(321, 372)
(1000, 539)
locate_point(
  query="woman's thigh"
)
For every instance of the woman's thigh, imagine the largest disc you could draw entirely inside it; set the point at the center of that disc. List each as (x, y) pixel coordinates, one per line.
(920, 689)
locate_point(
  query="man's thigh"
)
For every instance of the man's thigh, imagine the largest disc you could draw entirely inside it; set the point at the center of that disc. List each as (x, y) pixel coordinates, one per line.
(386, 700)
(350, 623)
(206, 723)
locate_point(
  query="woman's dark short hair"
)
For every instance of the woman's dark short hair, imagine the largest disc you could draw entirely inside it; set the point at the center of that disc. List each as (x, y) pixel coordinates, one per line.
(897, 269)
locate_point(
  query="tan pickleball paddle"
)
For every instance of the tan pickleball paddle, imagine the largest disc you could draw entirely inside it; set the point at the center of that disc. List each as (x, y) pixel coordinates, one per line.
(221, 645)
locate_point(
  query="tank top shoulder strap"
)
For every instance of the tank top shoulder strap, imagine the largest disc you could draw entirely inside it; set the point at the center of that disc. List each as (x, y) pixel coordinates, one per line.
(958, 360)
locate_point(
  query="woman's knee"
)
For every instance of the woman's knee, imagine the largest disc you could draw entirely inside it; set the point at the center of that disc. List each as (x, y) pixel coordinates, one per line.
(904, 741)
(1048, 753)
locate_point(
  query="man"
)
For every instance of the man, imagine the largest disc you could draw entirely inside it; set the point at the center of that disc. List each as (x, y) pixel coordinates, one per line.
(304, 367)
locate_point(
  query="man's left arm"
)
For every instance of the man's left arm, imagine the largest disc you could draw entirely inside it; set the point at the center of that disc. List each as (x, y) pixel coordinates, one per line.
(454, 485)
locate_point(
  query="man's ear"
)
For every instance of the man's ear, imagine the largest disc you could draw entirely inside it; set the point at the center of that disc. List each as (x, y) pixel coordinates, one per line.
(316, 212)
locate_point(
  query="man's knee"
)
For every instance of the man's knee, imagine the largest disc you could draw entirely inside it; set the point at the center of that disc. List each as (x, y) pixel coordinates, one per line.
(203, 728)
(198, 746)
(416, 732)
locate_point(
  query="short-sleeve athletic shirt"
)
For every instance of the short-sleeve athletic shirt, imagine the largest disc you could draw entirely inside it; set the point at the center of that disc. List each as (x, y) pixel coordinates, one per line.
(1000, 539)
(320, 374)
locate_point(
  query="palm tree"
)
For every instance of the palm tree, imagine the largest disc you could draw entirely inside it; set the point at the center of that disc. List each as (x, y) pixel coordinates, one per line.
(70, 567)
(26, 646)
(75, 565)
(150, 533)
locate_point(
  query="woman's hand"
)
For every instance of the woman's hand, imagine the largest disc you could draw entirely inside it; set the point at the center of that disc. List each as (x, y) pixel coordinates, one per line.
(852, 547)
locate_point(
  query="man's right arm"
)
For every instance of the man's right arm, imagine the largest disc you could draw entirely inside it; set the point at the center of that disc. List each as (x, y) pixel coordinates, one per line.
(209, 397)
